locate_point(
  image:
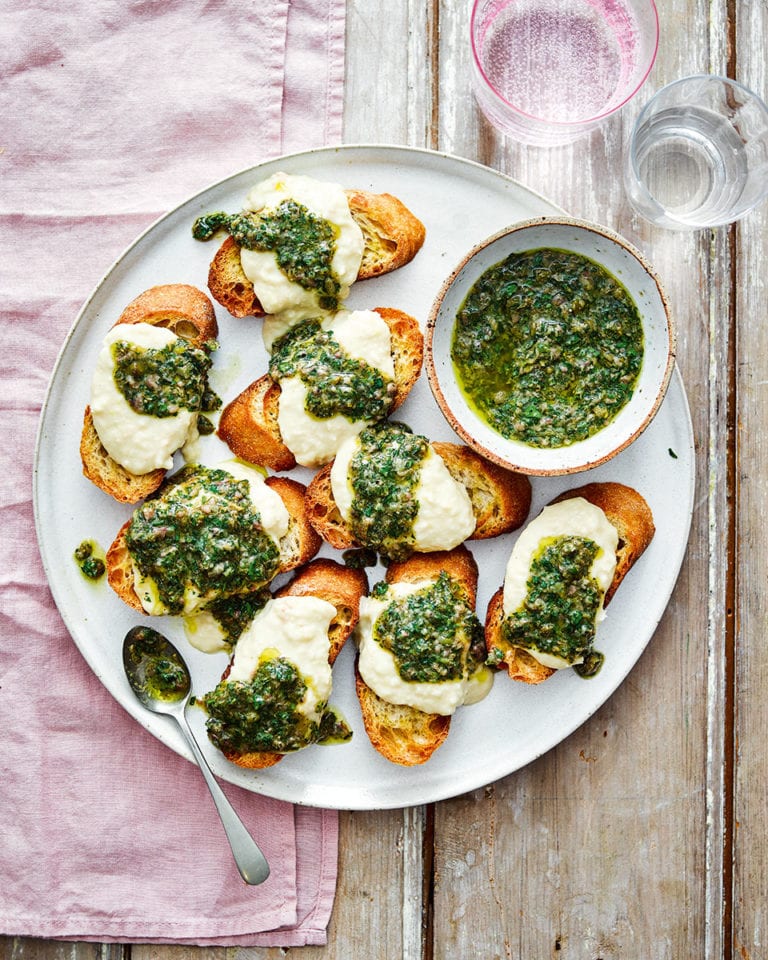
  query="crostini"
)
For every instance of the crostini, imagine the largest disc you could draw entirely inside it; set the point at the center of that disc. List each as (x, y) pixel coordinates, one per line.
(208, 534)
(328, 379)
(300, 243)
(149, 388)
(273, 696)
(398, 493)
(564, 569)
(421, 654)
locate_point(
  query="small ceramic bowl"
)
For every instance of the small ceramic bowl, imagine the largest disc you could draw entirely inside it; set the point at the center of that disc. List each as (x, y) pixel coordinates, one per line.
(628, 266)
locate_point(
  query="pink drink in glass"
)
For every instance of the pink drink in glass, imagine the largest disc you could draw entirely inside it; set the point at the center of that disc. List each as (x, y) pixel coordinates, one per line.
(546, 71)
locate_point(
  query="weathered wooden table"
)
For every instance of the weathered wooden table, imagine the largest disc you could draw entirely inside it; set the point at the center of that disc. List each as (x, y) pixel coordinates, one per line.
(643, 835)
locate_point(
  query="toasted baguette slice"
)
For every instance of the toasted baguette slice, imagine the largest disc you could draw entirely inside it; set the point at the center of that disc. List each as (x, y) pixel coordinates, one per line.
(249, 427)
(340, 586)
(401, 733)
(188, 313)
(297, 547)
(393, 236)
(500, 498)
(628, 512)
(183, 309)
(108, 474)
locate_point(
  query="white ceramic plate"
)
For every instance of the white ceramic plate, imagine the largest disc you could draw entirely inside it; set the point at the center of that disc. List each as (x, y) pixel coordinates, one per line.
(461, 203)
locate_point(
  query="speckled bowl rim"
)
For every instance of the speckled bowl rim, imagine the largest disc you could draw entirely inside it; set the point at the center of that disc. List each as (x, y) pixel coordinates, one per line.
(434, 381)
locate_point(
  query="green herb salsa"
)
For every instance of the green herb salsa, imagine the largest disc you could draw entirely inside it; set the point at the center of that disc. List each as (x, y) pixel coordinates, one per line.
(235, 614)
(547, 347)
(433, 634)
(161, 382)
(303, 243)
(155, 665)
(335, 382)
(558, 614)
(202, 532)
(91, 560)
(262, 714)
(384, 472)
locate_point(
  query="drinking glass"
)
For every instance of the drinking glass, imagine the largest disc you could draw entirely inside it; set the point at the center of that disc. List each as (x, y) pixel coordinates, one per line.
(698, 156)
(548, 71)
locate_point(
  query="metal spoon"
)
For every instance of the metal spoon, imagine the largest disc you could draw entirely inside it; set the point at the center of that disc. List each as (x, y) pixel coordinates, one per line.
(160, 679)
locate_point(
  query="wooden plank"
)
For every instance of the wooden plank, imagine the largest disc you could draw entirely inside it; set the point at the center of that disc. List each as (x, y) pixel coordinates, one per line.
(32, 948)
(600, 848)
(750, 858)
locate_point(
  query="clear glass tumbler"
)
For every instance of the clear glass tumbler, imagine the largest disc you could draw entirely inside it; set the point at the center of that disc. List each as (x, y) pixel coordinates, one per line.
(548, 71)
(698, 156)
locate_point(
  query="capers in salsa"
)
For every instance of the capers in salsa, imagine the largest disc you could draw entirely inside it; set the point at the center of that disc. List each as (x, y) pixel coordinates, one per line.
(90, 560)
(203, 534)
(433, 634)
(336, 383)
(161, 382)
(155, 668)
(303, 243)
(264, 714)
(558, 615)
(384, 473)
(547, 347)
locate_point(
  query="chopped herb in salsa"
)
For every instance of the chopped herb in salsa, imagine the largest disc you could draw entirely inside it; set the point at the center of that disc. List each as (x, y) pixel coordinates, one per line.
(384, 472)
(262, 714)
(591, 665)
(202, 532)
(90, 559)
(235, 614)
(335, 382)
(359, 559)
(433, 634)
(558, 614)
(160, 382)
(303, 243)
(548, 347)
(154, 665)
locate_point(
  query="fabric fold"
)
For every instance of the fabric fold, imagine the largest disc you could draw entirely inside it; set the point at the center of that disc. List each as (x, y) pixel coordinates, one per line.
(114, 113)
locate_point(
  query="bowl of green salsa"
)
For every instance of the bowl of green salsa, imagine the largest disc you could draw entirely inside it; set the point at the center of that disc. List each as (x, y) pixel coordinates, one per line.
(550, 347)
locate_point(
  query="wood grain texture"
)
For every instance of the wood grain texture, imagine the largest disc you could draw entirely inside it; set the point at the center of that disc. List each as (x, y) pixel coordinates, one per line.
(611, 845)
(750, 810)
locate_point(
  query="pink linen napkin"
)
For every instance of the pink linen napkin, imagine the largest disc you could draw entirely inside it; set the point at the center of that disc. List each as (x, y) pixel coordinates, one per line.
(112, 113)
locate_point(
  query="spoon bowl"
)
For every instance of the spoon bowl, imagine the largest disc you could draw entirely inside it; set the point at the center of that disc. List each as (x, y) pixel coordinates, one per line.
(160, 678)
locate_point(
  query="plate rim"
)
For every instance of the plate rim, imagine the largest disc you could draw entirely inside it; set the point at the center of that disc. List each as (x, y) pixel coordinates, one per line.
(365, 152)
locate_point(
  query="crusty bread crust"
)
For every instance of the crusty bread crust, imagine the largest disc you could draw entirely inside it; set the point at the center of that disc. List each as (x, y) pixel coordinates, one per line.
(459, 564)
(629, 513)
(338, 585)
(182, 308)
(297, 547)
(249, 425)
(188, 313)
(403, 734)
(108, 474)
(302, 541)
(399, 733)
(120, 570)
(393, 236)
(500, 498)
(229, 285)
(323, 513)
(520, 664)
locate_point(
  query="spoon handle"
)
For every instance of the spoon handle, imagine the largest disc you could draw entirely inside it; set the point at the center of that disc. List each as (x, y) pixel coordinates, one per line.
(250, 861)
